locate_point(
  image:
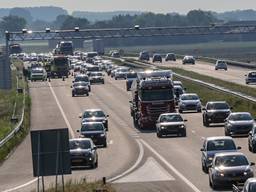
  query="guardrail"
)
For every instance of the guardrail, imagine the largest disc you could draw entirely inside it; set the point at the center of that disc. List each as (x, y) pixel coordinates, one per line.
(139, 64)
(18, 125)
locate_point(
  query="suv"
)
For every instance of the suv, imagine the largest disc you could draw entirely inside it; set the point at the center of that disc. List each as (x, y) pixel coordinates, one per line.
(170, 57)
(157, 58)
(189, 60)
(84, 78)
(215, 112)
(250, 77)
(252, 140)
(220, 64)
(144, 55)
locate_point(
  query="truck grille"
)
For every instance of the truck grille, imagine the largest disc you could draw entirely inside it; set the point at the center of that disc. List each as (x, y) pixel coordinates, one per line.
(155, 110)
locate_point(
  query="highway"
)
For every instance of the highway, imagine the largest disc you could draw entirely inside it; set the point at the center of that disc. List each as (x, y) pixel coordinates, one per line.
(233, 74)
(135, 160)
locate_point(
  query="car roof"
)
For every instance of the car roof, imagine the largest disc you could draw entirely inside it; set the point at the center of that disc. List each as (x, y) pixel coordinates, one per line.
(218, 138)
(228, 154)
(80, 139)
(87, 110)
(91, 122)
(170, 114)
(184, 94)
(216, 102)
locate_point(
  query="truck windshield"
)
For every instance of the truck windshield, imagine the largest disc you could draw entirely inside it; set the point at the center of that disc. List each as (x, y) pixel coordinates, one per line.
(155, 95)
(60, 62)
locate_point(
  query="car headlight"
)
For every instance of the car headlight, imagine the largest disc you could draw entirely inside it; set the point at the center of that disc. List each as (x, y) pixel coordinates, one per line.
(210, 159)
(247, 172)
(220, 174)
(182, 126)
(162, 127)
(102, 135)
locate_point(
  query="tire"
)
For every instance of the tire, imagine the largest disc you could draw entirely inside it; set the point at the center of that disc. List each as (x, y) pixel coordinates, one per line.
(205, 122)
(183, 133)
(103, 82)
(204, 168)
(253, 149)
(213, 185)
(105, 144)
(115, 78)
(87, 94)
(73, 95)
(249, 147)
(180, 111)
(199, 110)
(159, 135)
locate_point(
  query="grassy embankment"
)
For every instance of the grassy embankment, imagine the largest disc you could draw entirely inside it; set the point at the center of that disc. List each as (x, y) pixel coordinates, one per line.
(7, 104)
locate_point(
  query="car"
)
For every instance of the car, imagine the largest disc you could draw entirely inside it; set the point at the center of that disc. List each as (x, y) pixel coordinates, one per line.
(188, 60)
(170, 123)
(215, 112)
(170, 57)
(179, 83)
(178, 90)
(238, 123)
(121, 73)
(252, 140)
(214, 145)
(77, 67)
(189, 102)
(130, 77)
(95, 115)
(83, 152)
(115, 54)
(97, 77)
(250, 77)
(144, 55)
(83, 78)
(229, 168)
(96, 131)
(220, 64)
(80, 88)
(249, 186)
(38, 73)
(157, 58)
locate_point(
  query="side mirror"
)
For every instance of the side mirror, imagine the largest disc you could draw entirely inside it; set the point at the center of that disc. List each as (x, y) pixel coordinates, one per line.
(107, 115)
(80, 116)
(225, 120)
(78, 131)
(238, 148)
(130, 102)
(202, 149)
(245, 75)
(250, 133)
(204, 109)
(185, 120)
(231, 108)
(94, 148)
(73, 81)
(185, 88)
(71, 86)
(252, 163)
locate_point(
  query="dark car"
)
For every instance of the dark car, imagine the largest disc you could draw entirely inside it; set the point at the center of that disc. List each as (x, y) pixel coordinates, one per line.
(252, 140)
(229, 168)
(188, 60)
(144, 55)
(80, 88)
(157, 58)
(239, 123)
(215, 112)
(250, 77)
(178, 90)
(170, 123)
(115, 54)
(95, 115)
(214, 145)
(96, 131)
(97, 77)
(130, 77)
(84, 78)
(83, 152)
(220, 64)
(170, 57)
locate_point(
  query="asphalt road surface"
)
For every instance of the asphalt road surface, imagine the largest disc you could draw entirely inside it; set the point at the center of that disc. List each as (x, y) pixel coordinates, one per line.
(134, 160)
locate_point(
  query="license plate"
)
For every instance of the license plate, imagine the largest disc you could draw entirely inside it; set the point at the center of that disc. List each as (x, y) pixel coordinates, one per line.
(77, 160)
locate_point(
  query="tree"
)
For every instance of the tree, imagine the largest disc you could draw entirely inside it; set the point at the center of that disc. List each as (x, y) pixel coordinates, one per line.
(20, 12)
(12, 23)
(72, 22)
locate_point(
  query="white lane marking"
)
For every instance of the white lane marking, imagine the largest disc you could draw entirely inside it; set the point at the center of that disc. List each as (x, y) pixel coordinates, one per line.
(21, 186)
(144, 173)
(193, 131)
(141, 154)
(62, 112)
(189, 183)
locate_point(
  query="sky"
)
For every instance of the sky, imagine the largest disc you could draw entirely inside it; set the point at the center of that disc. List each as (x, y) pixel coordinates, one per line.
(159, 6)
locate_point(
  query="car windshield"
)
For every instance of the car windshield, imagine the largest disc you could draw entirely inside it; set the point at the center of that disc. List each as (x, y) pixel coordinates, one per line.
(84, 78)
(189, 97)
(231, 161)
(96, 74)
(156, 95)
(37, 71)
(80, 144)
(92, 127)
(80, 84)
(223, 144)
(252, 187)
(89, 114)
(171, 118)
(253, 74)
(211, 106)
(240, 117)
(178, 89)
(131, 75)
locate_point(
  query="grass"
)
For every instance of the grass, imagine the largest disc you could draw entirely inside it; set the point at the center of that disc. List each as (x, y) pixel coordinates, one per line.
(83, 186)
(8, 98)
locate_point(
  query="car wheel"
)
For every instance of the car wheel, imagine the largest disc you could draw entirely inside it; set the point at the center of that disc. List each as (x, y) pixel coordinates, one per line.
(249, 147)
(115, 78)
(253, 149)
(199, 110)
(105, 144)
(247, 83)
(103, 82)
(213, 185)
(204, 168)
(87, 94)
(73, 95)
(159, 135)
(205, 122)
(180, 111)
(183, 133)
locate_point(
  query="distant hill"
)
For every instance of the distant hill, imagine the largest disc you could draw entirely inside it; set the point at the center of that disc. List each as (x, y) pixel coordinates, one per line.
(40, 13)
(238, 15)
(100, 16)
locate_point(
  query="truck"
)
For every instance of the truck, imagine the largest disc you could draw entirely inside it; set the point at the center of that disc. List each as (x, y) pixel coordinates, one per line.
(58, 67)
(15, 48)
(96, 45)
(152, 95)
(65, 48)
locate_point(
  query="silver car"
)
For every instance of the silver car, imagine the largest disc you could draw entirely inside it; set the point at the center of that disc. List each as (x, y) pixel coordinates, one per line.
(214, 145)
(229, 168)
(220, 64)
(170, 123)
(188, 102)
(239, 123)
(121, 73)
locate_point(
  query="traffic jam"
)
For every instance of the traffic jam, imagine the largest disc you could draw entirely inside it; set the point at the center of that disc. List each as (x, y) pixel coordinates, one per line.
(157, 102)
